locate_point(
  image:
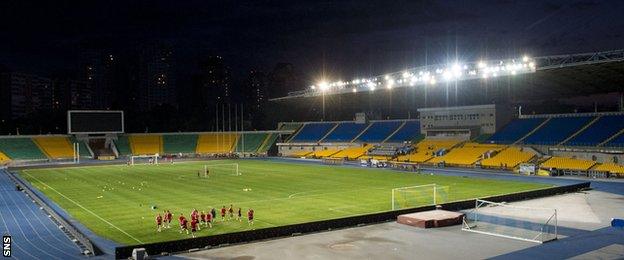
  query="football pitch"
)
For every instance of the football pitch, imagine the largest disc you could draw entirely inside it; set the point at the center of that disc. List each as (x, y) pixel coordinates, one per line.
(116, 201)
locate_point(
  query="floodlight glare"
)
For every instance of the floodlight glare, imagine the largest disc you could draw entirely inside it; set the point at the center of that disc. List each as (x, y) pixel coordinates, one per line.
(354, 90)
(406, 74)
(323, 85)
(525, 58)
(482, 65)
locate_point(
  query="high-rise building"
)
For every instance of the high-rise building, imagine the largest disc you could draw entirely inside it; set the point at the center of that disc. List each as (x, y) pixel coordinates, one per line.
(255, 90)
(214, 80)
(22, 94)
(101, 72)
(71, 94)
(156, 80)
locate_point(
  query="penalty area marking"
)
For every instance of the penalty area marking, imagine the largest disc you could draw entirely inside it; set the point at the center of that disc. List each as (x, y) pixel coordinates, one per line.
(87, 210)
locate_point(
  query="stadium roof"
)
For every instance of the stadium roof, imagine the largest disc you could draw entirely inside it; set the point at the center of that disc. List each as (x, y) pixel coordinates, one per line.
(546, 76)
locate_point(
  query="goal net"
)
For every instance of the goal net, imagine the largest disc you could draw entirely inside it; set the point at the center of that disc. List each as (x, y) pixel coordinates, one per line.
(221, 169)
(418, 196)
(144, 159)
(522, 223)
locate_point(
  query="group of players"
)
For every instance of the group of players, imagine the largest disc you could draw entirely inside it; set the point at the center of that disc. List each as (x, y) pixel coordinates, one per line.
(200, 218)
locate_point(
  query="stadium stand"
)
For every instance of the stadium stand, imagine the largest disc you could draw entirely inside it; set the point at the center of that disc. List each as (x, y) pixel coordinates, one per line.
(379, 131)
(508, 158)
(344, 132)
(564, 163)
(146, 144)
(123, 145)
(55, 147)
(312, 132)
(173, 144)
(301, 154)
(515, 130)
(604, 128)
(352, 152)
(4, 159)
(216, 143)
(426, 149)
(612, 168)
(84, 152)
(466, 155)
(556, 130)
(250, 142)
(268, 142)
(325, 153)
(408, 132)
(618, 141)
(289, 126)
(35, 236)
(21, 148)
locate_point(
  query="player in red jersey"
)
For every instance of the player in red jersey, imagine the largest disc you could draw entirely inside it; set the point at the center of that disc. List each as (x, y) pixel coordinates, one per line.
(250, 216)
(195, 216)
(169, 217)
(193, 226)
(209, 218)
(183, 223)
(159, 222)
(231, 212)
(223, 213)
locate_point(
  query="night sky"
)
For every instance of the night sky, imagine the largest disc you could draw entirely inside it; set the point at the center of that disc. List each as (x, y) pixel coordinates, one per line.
(340, 39)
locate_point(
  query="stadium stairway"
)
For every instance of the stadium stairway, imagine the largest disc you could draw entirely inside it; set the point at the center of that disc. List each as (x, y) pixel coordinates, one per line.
(379, 131)
(325, 153)
(407, 132)
(250, 142)
(213, 143)
(352, 153)
(55, 147)
(557, 129)
(515, 130)
(395, 131)
(146, 144)
(617, 140)
(604, 128)
(179, 143)
(34, 235)
(21, 148)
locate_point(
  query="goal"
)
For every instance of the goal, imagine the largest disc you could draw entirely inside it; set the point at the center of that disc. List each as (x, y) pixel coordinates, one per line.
(221, 169)
(144, 159)
(418, 196)
(516, 222)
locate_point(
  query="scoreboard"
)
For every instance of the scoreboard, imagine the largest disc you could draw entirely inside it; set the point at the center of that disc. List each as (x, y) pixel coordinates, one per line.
(95, 122)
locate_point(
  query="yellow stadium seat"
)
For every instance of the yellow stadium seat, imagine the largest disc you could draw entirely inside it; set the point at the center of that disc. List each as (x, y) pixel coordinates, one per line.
(466, 155)
(55, 147)
(612, 168)
(216, 143)
(568, 164)
(301, 154)
(508, 158)
(425, 149)
(4, 159)
(146, 144)
(352, 152)
(325, 153)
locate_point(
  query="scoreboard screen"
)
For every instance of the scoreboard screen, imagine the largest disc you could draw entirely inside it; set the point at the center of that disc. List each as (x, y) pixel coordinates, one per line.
(95, 122)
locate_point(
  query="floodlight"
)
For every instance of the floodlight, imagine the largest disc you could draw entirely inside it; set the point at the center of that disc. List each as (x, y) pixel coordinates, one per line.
(525, 58)
(323, 85)
(482, 65)
(406, 74)
(354, 90)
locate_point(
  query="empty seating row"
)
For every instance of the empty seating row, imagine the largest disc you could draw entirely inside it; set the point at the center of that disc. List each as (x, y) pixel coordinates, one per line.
(557, 130)
(268, 143)
(564, 163)
(179, 143)
(466, 155)
(352, 152)
(216, 143)
(345, 132)
(515, 130)
(312, 132)
(604, 128)
(618, 141)
(250, 142)
(508, 158)
(427, 149)
(21, 148)
(409, 131)
(146, 144)
(612, 168)
(379, 131)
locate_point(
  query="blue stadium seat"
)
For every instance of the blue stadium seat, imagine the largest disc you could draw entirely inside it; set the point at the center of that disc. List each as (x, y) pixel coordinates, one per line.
(379, 131)
(312, 132)
(34, 235)
(600, 131)
(408, 132)
(616, 142)
(345, 132)
(515, 130)
(556, 130)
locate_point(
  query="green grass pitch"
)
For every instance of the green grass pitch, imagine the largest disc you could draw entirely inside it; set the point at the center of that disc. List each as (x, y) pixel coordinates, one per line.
(115, 201)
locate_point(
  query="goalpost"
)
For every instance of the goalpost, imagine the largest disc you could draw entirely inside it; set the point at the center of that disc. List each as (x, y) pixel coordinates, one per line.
(417, 196)
(144, 159)
(231, 168)
(531, 224)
